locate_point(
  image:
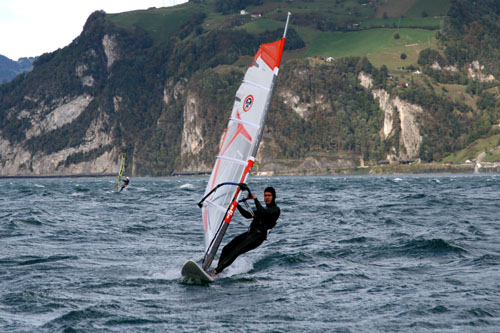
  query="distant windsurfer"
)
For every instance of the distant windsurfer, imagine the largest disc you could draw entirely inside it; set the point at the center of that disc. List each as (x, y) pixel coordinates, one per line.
(125, 183)
(264, 219)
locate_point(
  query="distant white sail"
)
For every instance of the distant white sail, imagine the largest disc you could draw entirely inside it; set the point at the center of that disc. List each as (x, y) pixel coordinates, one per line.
(240, 143)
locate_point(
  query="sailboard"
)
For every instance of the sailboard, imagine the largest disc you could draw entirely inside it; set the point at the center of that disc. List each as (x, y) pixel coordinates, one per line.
(194, 273)
(120, 173)
(239, 145)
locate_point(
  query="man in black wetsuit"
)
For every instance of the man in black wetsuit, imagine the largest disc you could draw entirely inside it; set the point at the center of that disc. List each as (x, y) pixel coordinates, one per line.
(264, 219)
(125, 184)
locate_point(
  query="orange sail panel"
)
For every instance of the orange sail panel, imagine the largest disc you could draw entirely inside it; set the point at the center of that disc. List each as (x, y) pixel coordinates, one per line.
(271, 53)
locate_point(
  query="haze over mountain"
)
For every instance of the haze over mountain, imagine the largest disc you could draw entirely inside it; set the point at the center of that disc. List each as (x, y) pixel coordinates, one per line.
(10, 68)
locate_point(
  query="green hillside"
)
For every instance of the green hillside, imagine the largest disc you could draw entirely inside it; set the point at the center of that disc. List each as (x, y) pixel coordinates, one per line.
(160, 23)
(198, 52)
(378, 45)
(331, 28)
(490, 146)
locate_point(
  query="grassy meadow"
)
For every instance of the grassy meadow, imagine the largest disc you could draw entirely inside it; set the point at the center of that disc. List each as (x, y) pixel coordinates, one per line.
(375, 40)
(490, 146)
(378, 45)
(160, 23)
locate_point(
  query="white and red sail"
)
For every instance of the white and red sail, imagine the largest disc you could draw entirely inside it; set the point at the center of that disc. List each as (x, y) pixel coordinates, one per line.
(240, 143)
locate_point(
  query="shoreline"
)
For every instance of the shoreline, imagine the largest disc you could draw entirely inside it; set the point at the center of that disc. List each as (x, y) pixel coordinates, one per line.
(417, 168)
(61, 176)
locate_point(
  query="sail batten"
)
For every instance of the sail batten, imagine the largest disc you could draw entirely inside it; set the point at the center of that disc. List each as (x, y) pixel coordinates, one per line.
(245, 123)
(240, 144)
(257, 85)
(235, 160)
(222, 209)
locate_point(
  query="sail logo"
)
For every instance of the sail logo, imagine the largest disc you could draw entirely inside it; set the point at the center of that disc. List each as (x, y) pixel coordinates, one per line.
(230, 212)
(248, 103)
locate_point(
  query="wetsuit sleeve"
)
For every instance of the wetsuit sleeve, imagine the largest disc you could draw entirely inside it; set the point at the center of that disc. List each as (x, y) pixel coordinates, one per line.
(269, 215)
(244, 212)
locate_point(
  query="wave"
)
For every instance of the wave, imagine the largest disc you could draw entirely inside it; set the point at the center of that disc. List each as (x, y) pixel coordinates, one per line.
(137, 229)
(361, 239)
(480, 313)
(414, 196)
(76, 319)
(187, 187)
(282, 259)
(29, 220)
(40, 260)
(487, 260)
(416, 248)
(430, 247)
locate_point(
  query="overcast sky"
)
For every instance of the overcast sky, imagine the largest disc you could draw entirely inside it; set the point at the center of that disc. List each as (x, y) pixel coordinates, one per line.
(30, 28)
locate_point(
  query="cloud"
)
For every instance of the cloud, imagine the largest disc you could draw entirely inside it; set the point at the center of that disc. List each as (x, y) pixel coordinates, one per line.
(33, 27)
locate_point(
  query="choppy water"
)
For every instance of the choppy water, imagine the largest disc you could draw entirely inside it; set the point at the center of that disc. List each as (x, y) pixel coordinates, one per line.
(349, 254)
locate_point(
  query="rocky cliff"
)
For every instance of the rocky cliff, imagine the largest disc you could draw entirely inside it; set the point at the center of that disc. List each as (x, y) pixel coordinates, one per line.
(166, 104)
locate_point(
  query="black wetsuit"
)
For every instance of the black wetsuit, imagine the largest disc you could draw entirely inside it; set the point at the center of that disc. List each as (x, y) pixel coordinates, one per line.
(125, 184)
(264, 219)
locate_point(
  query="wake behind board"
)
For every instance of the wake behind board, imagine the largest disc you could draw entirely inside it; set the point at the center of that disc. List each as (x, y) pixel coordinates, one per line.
(193, 272)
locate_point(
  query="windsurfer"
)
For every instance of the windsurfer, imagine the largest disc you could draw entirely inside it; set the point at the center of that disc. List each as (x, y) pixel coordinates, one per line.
(125, 183)
(264, 219)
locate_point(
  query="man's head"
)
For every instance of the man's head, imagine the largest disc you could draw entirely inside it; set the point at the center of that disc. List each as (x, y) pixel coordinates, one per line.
(269, 195)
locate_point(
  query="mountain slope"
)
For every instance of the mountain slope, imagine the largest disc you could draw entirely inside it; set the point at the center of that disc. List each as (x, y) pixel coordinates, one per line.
(159, 85)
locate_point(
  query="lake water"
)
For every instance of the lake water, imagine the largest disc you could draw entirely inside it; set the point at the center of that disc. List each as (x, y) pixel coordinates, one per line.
(399, 253)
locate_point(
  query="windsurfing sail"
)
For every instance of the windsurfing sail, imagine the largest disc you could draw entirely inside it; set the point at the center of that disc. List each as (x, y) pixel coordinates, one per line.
(120, 173)
(240, 143)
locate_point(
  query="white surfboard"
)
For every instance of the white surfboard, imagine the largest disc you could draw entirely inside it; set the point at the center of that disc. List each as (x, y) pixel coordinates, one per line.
(191, 271)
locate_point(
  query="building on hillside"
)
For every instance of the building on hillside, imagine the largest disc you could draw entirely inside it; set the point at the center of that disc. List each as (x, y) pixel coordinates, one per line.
(256, 14)
(243, 12)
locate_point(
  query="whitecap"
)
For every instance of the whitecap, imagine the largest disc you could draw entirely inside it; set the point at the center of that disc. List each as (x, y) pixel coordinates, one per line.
(240, 266)
(170, 274)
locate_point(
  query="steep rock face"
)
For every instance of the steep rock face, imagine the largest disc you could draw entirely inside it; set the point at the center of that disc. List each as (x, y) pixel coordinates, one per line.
(294, 102)
(476, 72)
(63, 114)
(110, 49)
(410, 132)
(192, 139)
(87, 80)
(192, 134)
(63, 133)
(410, 137)
(365, 80)
(16, 160)
(386, 104)
(300, 107)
